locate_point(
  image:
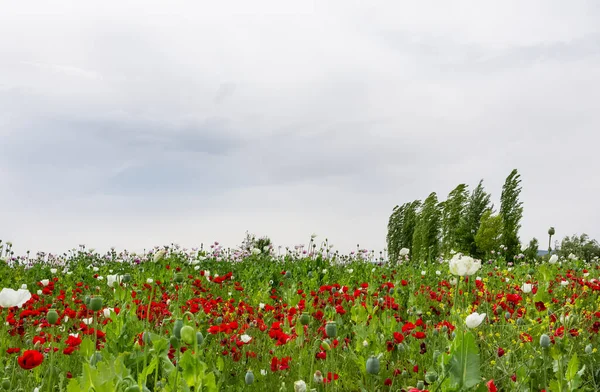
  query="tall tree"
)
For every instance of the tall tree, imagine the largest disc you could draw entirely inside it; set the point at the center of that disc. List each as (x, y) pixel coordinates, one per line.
(453, 210)
(489, 234)
(426, 237)
(401, 227)
(511, 211)
(581, 246)
(478, 203)
(531, 253)
(394, 234)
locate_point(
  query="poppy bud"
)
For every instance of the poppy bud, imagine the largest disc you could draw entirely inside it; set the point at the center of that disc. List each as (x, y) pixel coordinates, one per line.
(373, 365)
(331, 329)
(188, 334)
(96, 303)
(304, 319)
(52, 316)
(177, 328)
(249, 379)
(545, 341)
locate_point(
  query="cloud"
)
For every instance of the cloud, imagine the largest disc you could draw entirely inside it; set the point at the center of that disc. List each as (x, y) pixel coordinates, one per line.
(157, 124)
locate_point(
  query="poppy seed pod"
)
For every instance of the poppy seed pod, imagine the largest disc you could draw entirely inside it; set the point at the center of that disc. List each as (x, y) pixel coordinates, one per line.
(373, 365)
(177, 328)
(304, 319)
(331, 329)
(96, 303)
(52, 316)
(545, 341)
(249, 379)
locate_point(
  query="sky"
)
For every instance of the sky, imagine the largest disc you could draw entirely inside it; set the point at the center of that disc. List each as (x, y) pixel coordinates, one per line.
(142, 123)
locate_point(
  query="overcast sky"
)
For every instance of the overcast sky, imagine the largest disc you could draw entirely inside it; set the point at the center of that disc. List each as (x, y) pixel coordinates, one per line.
(133, 124)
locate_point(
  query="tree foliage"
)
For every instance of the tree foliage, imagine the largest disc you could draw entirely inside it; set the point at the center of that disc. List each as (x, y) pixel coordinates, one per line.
(453, 210)
(511, 211)
(478, 203)
(581, 246)
(489, 234)
(426, 237)
(401, 227)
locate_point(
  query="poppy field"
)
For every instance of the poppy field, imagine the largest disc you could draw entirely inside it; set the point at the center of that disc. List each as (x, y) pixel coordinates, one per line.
(298, 319)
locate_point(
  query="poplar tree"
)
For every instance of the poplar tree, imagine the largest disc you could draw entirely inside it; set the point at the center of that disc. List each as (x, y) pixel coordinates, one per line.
(511, 211)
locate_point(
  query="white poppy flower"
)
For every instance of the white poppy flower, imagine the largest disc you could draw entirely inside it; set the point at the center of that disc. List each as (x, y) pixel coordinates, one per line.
(474, 320)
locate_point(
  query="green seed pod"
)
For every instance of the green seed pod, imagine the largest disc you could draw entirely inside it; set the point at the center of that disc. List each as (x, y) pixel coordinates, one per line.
(326, 345)
(288, 274)
(178, 278)
(188, 334)
(373, 365)
(175, 343)
(177, 328)
(420, 385)
(126, 278)
(96, 303)
(96, 357)
(304, 319)
(431, 377)
(219, 320)
(519, 321)
(545, 341)
(392, 291)
(86, 300)
(5, 383)
(249, 379)
(52, 317)
(199, 338)
(589, 349)
(507, 315)
(133, 388)
(331, 329)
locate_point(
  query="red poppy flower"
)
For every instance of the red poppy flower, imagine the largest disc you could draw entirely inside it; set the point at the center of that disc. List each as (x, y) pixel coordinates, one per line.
(491, 386)
(30, 359)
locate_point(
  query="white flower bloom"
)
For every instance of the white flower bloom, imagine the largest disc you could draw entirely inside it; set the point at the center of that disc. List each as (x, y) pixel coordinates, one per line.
(564, 283)
(255, 251)
(53, 270)
(158, 256)
(100, 278)
(196, 268)
(404, 251)
(461, 265)
(112, 279)
(585, 275)
(474, 320)
(299, 386)
(149, 280)
(95, 269)
(261, 305)
(350, 270)
(478, 278)
(453, 281)
(39, 292)
(245, 338)
(553, 259)
(23, 286)
(106, 312)
(263, 372)
(526, 288)
(438, 273)
(10, 297)
(88, 321)
(423, 273)
(365, 343)
(572, 256)
(45, 282)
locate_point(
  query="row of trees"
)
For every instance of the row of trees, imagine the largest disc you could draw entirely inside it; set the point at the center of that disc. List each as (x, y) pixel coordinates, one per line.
(464, 222)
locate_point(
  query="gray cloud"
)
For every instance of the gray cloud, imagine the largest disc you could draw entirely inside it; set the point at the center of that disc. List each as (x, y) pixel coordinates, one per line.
(151, 124)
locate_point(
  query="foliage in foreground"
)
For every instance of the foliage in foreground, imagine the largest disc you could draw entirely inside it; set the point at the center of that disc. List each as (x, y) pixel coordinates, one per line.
(182, 320)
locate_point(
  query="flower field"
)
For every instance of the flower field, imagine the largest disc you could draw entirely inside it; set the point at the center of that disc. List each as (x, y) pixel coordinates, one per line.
(212, 319)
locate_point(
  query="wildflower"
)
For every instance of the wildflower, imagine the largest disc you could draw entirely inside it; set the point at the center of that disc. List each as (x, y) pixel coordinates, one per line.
(553, 259)
(474, 320)
(403, 252)
(30, 359)
(45, 282)
(160, 255)
(10, 297)
(245, 338)
(526, 288)
(299, 386)
(463, 265)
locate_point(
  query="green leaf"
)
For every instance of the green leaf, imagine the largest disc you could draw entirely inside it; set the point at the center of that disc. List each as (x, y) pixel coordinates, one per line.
(87, 347)
(464, 361)
(572, 368)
